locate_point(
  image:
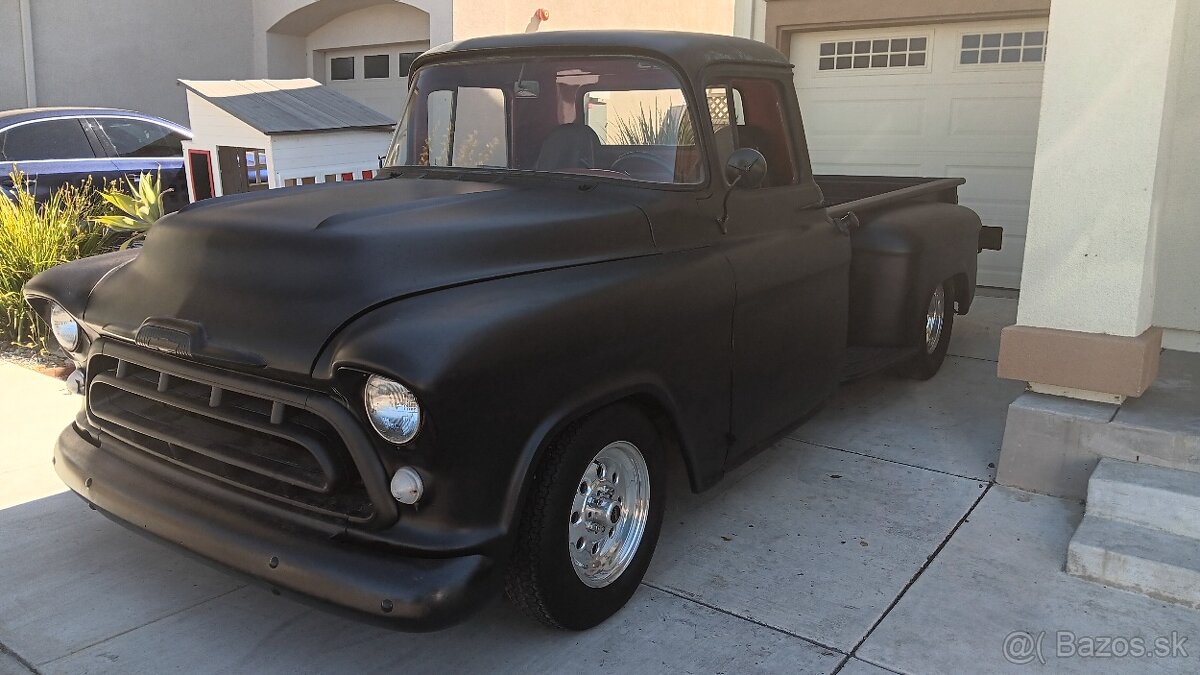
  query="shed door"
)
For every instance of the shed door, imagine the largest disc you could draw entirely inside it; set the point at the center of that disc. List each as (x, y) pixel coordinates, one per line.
(957, 99)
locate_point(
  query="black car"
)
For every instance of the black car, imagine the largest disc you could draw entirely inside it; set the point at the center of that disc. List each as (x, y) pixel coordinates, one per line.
(55, 146)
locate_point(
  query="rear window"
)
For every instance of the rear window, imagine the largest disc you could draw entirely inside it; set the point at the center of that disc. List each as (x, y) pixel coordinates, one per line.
(49, 139)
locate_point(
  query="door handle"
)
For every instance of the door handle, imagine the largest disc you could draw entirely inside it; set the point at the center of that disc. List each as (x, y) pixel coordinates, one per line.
(847, 223)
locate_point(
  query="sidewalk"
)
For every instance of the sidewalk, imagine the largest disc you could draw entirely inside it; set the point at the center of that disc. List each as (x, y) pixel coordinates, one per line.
(870, 541)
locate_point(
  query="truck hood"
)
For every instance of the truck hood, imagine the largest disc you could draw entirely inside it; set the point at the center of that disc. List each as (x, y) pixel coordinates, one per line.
(271, 276)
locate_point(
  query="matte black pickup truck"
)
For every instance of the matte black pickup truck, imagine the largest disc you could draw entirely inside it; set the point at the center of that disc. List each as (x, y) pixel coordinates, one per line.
(587, 252)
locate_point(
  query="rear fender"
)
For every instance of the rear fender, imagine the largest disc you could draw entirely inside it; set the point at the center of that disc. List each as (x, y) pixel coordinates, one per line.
(900, 255)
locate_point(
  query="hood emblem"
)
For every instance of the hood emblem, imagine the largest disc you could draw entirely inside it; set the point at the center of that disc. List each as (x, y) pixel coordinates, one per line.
(167, 335)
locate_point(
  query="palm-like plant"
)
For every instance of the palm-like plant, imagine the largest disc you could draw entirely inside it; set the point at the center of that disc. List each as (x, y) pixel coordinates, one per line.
(654, 127)
(139, 207)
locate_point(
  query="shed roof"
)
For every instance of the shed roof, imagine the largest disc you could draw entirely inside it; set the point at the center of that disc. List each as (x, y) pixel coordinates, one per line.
(288, 106)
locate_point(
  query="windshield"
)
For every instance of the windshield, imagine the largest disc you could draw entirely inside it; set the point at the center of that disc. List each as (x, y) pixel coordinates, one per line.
(617, 117)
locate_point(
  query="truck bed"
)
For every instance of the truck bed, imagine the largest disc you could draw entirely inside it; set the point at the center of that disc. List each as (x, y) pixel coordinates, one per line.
(859, 194)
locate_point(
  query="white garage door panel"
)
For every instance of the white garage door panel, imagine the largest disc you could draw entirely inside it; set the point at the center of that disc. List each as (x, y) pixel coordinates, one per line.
(877, 117)
(941, 118)
(994, 116)
(384, 94)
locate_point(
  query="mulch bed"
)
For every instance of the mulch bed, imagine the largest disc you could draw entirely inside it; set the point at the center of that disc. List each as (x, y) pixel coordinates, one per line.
(54, 364)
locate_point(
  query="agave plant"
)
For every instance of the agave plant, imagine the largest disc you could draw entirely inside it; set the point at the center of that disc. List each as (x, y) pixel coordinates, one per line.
(139, 203)
(654, 127)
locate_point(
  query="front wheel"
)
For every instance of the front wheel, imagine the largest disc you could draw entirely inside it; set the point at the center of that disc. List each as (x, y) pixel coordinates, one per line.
(936, 326)
(591, 520)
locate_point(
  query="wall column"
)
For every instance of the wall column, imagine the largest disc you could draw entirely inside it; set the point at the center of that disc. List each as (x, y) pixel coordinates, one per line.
(1088, 291)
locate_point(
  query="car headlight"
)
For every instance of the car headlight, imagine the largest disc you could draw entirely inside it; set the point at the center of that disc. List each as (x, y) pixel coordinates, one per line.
(392, 409)
(65, 327)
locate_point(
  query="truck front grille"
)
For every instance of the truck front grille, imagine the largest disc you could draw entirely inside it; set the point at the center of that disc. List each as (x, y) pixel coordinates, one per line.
(275, 446)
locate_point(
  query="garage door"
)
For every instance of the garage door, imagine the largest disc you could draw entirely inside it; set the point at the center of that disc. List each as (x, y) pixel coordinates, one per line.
(374, 76)
(958, 99)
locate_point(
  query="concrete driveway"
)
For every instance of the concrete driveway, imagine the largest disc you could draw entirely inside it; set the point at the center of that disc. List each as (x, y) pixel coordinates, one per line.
(871, 540)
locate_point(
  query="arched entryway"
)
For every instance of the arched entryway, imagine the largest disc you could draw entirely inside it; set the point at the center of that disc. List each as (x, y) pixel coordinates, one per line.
(362, 48)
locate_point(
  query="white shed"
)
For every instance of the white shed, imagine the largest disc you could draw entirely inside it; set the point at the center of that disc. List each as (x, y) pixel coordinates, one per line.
(257, 134)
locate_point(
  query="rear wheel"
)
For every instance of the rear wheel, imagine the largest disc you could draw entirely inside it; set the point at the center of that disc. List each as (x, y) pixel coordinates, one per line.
(936, 326)
(591, 521)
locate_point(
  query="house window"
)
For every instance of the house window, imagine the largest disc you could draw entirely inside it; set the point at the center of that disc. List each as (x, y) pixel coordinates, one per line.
(341, 68)
(406, 61)
(903, 52)
(377, 67)
(990, 48)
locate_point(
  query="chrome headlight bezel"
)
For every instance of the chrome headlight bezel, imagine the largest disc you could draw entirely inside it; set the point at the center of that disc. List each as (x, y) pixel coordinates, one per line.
(392, 409)
(65, 328)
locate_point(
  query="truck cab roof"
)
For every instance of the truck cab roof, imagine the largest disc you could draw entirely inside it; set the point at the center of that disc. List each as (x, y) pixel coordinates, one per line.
(691, 52)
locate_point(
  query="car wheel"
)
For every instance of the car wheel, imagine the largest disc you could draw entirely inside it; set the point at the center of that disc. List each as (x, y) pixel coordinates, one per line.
(591, 520)
(936, 326)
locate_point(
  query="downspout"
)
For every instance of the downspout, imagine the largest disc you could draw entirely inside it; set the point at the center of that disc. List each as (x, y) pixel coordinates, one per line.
(27, 45)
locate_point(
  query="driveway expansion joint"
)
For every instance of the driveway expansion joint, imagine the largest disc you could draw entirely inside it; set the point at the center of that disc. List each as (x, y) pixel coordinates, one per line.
(924, 566)
(721, 610)
(4, 650)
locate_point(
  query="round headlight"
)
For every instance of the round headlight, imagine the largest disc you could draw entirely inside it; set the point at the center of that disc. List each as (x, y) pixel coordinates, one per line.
(392, 409)
(65, 328)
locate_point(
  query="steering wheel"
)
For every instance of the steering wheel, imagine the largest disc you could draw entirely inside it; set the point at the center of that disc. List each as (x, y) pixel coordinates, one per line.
(644, 158)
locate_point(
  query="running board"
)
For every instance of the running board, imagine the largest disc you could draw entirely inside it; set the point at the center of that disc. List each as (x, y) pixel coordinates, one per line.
(863, 361)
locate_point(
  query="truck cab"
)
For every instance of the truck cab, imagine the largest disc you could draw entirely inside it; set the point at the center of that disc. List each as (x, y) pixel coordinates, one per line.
(586, 252)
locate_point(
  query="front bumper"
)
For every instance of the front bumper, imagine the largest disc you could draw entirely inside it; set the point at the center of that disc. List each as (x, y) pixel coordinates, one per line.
(317, 566)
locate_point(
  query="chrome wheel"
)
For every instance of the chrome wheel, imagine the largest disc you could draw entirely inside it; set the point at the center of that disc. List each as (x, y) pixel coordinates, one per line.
(935, 318)
(609, 513)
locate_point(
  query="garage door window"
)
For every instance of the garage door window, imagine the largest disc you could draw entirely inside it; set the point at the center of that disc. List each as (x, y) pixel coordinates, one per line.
(1014, 47)
(341, 68)
(406, 61)
(883, 52)
(377, 66)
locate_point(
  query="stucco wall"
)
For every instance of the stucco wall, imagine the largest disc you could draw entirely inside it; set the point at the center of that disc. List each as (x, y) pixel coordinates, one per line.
(129, 53)
(12, 75)
(377, 25)
(281, 27)
(487, 17)
(1177, 298)
(784, 17)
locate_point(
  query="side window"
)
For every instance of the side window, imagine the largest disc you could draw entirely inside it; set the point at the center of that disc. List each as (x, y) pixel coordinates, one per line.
(749, 113)
(51, 139)
(135, 138)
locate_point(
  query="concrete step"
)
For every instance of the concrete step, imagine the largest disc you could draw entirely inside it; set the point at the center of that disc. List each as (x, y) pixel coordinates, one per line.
(1142, 494)
(1137, 558)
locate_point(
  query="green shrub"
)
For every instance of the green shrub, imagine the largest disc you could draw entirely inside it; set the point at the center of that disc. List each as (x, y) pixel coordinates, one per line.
(35, 237)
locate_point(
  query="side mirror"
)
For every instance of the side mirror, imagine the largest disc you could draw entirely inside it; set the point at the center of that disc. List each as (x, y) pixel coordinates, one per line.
(746, 167)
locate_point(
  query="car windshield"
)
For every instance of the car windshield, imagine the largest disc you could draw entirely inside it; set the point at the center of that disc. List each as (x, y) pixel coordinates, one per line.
(616, 117)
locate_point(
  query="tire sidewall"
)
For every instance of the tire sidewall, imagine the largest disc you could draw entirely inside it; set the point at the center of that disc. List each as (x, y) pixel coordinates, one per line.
(925, 364)
(573, 603)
